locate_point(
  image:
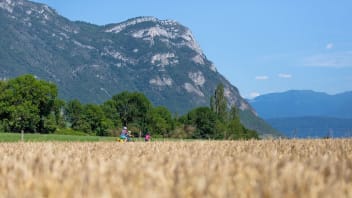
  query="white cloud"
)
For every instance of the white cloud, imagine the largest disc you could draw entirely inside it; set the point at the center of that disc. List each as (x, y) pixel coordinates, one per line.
(253, 95)
(338, 60)
(261, 77)
(282, 75)
(329, 46)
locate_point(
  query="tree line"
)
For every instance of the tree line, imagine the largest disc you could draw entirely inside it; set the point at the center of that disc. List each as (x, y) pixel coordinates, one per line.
(31, 105)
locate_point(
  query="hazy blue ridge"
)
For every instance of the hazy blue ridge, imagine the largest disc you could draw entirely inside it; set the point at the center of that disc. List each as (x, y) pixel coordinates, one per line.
(306, 113)
(313, 127)
(297, 103)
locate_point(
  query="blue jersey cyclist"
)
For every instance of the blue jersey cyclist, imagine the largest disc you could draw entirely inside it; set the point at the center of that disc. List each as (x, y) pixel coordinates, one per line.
(124, 133)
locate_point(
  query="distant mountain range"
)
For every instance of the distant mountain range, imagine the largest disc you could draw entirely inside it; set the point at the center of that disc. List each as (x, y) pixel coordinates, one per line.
(313, 127)
(305, 113)
(296, 103)
(159, 58)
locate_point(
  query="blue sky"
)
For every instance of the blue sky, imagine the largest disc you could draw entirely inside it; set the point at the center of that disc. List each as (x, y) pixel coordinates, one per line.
(259, 46)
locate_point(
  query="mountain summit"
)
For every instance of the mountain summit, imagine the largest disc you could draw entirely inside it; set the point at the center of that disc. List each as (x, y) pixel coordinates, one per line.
(160, 58)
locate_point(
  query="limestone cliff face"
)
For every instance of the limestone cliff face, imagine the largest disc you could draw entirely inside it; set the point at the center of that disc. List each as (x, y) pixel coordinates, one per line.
(160, 58)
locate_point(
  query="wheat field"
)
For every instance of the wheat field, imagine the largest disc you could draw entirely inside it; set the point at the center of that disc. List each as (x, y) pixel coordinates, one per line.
(262, 168)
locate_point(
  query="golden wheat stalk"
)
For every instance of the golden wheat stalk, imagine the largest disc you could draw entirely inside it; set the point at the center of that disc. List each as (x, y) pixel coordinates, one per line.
(266, 168)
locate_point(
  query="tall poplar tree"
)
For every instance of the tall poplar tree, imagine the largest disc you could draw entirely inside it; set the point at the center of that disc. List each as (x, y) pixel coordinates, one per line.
(218, 102)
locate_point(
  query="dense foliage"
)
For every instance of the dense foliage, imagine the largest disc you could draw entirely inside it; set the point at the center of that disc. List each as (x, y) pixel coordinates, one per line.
(28, 104)
(217, 122)
(32, 105)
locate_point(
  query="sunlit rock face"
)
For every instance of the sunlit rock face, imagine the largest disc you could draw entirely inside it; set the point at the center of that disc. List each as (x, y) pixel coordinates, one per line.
(160, 58)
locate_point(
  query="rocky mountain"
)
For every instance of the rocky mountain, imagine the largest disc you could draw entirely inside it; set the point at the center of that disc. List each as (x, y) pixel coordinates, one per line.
(306, 113)
(160, 58)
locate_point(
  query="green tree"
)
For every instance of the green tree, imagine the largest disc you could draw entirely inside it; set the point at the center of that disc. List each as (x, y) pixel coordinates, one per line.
(235, 128)
(204, 119)
(139, 108)
(24, 116)
(130, 107)
(89, 118)
(111, 113)
(23, 100)
(94, 116)
(73, 114)
(160, 121)
(121, 104)
(218, 102)
(228, 124)
(50, 123)
(221, 130)
(59, 107)
(4, 113)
